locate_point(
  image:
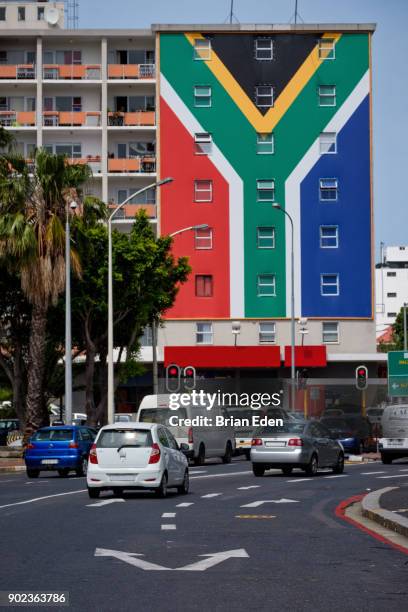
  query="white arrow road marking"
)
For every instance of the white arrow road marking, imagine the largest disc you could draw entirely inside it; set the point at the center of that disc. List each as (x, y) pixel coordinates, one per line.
(214, 559)
(283, 500)
(246, 488)
(35, 499)
(129, 558)
(185, 505)
(168, 515)
(105, 502)
(210, 495)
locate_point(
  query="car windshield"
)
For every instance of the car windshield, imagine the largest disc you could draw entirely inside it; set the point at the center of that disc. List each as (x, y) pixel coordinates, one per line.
(55, 435)
(161, 415)
(335, 423)
(287, 427)
(114, 438)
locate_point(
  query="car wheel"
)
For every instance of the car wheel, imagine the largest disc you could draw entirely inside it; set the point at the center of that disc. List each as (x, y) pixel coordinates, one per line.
(339, 467)
(311, 468)
(258, 470)
(161, 491)
(93, 493)
(183, 489)
(63, 472)
(200, 459)
(32, 473)
(228, 453)
(386, 459)
(83, 468)
(287, 470)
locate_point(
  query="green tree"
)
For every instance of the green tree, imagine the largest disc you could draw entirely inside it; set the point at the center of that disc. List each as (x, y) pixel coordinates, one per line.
(34, 203)
(6, 138)
(398, 331)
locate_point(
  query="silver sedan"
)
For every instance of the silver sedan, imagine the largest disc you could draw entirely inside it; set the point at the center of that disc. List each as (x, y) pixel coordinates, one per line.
(308, 446)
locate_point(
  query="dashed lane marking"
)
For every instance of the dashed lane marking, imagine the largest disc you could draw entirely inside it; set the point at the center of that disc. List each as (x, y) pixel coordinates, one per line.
(168, 515)
(185, 505)
(337, 476)
(168, 527)
(209, 495)
(300, 480)
(246, 488)
(223, 474)
(198, 471)
(396, 476)
(255, 516)
(369, 473)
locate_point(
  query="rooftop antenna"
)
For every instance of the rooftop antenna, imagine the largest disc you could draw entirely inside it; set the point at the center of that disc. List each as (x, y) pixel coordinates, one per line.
(71, 11)
(231, 17)
(296, 15)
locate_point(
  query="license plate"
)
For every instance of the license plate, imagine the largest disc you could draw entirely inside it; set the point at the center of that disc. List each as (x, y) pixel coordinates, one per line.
(49, 461)
(395, 442)
(275, 443)
(123, 477)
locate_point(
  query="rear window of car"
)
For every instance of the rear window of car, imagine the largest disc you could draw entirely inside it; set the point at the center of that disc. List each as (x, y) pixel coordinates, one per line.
(114, 438)
(161, 415)
(56, 435)
(335, 423)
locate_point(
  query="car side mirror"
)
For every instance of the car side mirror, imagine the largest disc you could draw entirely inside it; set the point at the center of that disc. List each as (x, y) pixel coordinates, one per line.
(184, 447)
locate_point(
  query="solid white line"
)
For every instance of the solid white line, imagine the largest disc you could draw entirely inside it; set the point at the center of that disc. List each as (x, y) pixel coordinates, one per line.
(185, 505)
(210, 495)
(369, 473)
(300, 480)
(168, 527)
(396, 476)
(35, 499)
(168, 515)
(223, 474)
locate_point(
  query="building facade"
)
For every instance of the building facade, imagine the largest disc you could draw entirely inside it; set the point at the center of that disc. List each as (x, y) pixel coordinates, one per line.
(391, 280)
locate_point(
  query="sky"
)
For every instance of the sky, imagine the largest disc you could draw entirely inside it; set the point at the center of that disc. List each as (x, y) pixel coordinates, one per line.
(390, 72)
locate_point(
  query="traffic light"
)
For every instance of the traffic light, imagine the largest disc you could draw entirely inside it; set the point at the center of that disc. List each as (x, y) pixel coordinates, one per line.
(189, 378)
(173, 378)
(361, 377)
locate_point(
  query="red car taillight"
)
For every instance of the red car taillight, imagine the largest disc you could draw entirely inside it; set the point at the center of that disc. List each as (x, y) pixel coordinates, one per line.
(73, 445)
(93, 457)
(155, 453)
(256, 442)
(30, 445)
(190, 436)
(295, 442)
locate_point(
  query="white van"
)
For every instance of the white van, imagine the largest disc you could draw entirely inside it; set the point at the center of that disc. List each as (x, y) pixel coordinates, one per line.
(394, 443)
(204, 440)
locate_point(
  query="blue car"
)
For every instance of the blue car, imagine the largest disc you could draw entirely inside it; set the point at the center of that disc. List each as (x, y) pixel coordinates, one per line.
(346, 432)
(60, 449)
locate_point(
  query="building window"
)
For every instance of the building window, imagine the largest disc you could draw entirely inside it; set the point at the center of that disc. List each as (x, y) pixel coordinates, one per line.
(203, 239)
(389, 274)
(265, 190)
(267, 332)
(266, 285)
(330, 332)
(265, 144)
(202, 49)
(329, 284)
(204, 333)
(264, 49)
(203, 143)
(328, 143)
(203, 191)
(202, 96)
(264, 96)
(204, 285)
(329, 236)
(265, 237)
(21, 13)
(2, 13)
(327, 95)
(392, 294)
(40, 13)
(328, 189)
(146, 339)
(327, 49)
(391, 314)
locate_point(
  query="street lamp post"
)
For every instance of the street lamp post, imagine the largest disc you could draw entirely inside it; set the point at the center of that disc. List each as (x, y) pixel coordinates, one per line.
(68, 339)
(154, 327)
(111, 405)
(292, 307)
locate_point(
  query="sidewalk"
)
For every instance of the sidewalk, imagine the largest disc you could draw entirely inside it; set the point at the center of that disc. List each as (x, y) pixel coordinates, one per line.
(396, 501)
(388, 507)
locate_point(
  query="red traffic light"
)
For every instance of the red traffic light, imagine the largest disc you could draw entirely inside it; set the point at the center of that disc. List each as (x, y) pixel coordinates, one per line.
(173, 371)
(173, 378)
(361, 378)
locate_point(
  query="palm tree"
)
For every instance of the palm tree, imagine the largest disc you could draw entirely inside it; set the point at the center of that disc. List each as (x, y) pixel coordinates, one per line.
(34, 201)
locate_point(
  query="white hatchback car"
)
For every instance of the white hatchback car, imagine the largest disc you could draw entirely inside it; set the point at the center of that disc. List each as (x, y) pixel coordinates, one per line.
(136, 456)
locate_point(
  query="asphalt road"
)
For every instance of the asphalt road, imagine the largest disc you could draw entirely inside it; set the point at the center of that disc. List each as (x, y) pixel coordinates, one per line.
(299, 556)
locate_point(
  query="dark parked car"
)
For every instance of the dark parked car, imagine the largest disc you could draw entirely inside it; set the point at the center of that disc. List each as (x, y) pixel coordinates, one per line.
(6, 426)
(354, 432)
(62, 448)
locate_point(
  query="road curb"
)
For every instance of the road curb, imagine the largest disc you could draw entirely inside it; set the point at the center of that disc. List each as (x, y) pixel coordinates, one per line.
(12, 468)
(371, 509)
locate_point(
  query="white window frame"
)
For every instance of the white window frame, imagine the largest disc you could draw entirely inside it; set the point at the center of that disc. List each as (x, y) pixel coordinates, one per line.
(261, 188)
(271, 284)
(324, 97)
(203, 243)
(326, 284)
(198, 192)
(334, 237)
(21, 13)
(4, 12)
(199, 97)
(271, 333)
(260, 96)
(40, 13)
(263, 139)
(260, 238)
(202, 49)
(327, 139)
(146, 339)
(329, 189)
(327, 49)
(203, 143)
(261, 46)
(335, 333)
(204, 335)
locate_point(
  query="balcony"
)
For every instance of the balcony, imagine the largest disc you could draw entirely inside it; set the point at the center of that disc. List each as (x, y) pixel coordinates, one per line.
(128, 212)
(144, 164)
(21, 72)
(17, 118)
(71, 119)
(131, 71)
(94, 162)
(67, 72)
(138, 118)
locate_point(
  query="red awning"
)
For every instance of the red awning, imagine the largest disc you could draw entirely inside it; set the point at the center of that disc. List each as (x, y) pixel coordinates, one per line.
(223, 356)
(307, 356)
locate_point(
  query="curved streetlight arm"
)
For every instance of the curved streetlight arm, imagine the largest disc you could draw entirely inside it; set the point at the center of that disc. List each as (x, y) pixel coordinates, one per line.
(187, 229)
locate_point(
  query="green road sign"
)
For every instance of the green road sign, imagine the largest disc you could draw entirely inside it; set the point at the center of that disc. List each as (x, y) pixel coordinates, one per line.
(398, 373)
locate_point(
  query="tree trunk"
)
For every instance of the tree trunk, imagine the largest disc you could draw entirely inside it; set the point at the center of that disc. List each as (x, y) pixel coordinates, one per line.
(35, 414)
(19, 385)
